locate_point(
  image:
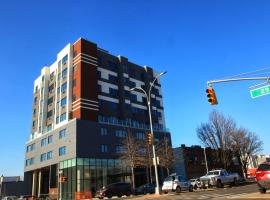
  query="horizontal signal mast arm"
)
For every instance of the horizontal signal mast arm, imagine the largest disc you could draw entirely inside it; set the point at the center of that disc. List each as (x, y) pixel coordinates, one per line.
(209, 83)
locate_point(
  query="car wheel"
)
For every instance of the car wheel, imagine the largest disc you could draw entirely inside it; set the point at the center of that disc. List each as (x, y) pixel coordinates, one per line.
(128, 193)
(195, 187)
(100, 197)
(219, 184)
(165, 192)
(262, 190)
(178, 190)
(190, 188)
(144, 192)
(234, 182)
(109, 195)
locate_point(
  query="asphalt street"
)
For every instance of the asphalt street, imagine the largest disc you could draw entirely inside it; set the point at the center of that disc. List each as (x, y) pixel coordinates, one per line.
(239, 192)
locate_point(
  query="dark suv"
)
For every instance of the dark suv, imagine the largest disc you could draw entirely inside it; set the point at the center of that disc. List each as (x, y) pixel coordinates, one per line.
(263, 177)
(115, 189)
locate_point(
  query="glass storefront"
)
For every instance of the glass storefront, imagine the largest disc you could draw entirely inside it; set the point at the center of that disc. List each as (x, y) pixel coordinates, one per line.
(86, 174)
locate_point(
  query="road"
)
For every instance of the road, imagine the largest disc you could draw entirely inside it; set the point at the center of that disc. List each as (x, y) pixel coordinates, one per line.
(240, 192)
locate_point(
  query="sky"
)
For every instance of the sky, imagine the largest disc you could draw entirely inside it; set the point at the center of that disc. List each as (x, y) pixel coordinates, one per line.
(195, 41)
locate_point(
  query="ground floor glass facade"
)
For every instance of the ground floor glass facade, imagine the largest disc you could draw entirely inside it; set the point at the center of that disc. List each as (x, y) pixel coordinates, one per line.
(87, 174)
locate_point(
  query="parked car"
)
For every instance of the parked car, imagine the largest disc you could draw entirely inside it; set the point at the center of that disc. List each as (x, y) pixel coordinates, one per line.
(263, 177)
(145, 189)
(10, 198)
(176, 183)
(219, 178)
(196, 183)
(115, 189)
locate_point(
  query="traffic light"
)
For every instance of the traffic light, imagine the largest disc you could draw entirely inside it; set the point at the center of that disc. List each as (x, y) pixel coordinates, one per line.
(211, 95)
(149, 138)
(63, 179)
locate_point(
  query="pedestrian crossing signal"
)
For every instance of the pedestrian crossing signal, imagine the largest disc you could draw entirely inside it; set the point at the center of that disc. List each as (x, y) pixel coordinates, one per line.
(63, 179)
(211, 95)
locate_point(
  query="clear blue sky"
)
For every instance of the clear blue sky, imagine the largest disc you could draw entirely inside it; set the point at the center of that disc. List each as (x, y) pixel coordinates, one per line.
(193, 40)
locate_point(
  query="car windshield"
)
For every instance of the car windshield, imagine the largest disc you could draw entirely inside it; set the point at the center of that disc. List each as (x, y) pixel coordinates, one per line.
(168, 179)
(264, 167)
(213, 173)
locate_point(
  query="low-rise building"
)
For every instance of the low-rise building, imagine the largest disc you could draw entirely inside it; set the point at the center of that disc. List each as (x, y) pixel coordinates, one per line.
(191, 161)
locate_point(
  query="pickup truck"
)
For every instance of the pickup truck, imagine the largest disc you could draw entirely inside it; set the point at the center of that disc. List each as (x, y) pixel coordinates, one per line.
(219, 178)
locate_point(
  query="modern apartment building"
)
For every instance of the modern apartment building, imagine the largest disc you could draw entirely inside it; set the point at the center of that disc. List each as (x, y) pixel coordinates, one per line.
(82, 109)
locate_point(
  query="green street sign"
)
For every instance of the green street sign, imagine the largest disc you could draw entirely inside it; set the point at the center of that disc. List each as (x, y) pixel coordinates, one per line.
(260, 91)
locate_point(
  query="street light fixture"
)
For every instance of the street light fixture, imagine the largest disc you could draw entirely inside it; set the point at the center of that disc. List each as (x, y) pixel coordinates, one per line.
(148, 98)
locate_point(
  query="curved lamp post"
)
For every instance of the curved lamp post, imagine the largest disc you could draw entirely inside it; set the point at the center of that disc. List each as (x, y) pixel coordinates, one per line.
(148, 98)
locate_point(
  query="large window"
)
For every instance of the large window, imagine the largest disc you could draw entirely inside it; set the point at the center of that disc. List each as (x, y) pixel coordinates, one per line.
(43, 142)
(119, 149)
(30, 147)
(63, 101)
(104, 148)
(64, 87)
(64, 73)
(30, 161)
(103, 131)
(64, 60)
(62, 133)
(120, 133)
(113, 92)
(49, 155)
(62, 151)
(43, 157)
(140, 135)
(50, 139)
(63, 117)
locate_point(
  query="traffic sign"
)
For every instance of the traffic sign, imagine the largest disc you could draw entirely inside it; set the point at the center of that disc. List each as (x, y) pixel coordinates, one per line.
(260, 91)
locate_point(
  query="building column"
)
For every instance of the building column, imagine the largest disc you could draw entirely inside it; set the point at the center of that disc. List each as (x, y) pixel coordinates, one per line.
(39, 182)
(34, 186)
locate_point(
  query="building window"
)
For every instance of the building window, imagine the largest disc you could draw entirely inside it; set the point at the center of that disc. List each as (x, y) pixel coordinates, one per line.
(113, 105)
(112, 65)
(119, 149)
(49, 155)
(30, 147)
(63, 101)
(64, 60)
(30, 161)
(64, 73)
(104, 148)
(120, 133)
(140, 136)
(57, 120)
(63, 117)
(50, 100)
(103, 131)
(113, 92)
(49, 127)
(74, 97)
(49, 114)
(43, 142)
(74, 82)
(35, 100)
(51, 87)
(64, 87)
(50, 139)
(133, 97)
(43, 157)
(33, 124)
(62, 133)
(62, 151)
(112, 78)
(58, 90)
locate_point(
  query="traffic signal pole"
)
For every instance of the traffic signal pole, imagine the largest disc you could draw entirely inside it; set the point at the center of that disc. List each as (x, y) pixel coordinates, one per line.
(209, 83)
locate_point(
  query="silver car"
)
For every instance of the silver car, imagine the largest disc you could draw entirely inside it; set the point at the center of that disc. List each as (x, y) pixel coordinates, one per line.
(176, 183)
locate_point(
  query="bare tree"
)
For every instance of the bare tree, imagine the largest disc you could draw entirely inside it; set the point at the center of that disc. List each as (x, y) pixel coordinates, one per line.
(132, 153)
(246, 144)
(165, 154)
(216, 134)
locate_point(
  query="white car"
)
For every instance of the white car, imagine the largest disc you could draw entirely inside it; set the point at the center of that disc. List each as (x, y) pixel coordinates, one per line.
(176, 183)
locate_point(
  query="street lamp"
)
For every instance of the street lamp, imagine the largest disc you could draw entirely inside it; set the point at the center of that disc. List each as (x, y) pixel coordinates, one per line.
(148, 98)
